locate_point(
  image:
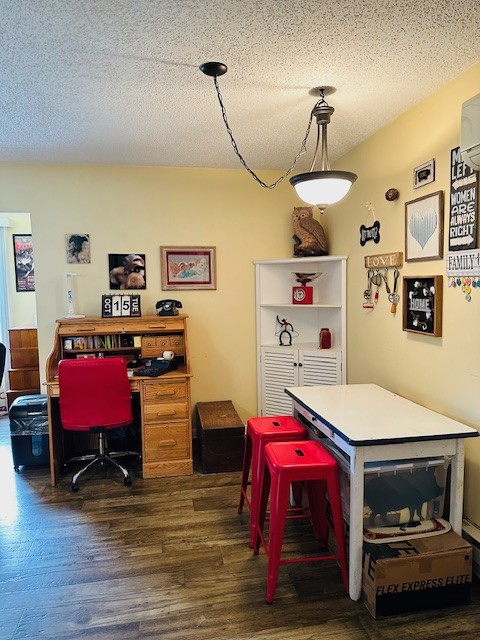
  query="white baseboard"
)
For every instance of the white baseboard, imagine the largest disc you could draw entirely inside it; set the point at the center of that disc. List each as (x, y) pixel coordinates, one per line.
(471, 533)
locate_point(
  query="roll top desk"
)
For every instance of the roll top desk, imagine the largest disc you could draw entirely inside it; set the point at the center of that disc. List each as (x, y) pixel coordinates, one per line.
(162, 405)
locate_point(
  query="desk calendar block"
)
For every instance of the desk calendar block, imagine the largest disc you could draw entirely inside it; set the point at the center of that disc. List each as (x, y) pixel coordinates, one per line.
(121, 305)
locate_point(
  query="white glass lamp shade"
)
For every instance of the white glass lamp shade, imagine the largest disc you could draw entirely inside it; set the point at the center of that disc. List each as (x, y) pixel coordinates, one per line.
(323, 187)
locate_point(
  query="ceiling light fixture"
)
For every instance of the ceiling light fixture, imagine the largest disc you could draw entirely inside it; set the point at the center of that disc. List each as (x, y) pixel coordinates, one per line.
(319, 188)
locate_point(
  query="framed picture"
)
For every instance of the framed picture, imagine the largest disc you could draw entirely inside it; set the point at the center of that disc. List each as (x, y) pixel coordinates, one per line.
(424, 174)
(127, 271)
(188, 268)
(422, 305)
(424, 228)
(77, 248)
(24, 264)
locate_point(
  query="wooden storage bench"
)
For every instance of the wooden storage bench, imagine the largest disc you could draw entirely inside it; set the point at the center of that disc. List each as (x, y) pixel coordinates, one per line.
(222, 435)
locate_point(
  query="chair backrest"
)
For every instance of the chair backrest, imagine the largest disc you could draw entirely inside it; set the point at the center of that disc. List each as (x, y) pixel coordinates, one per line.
(3, 354)
(94, 392)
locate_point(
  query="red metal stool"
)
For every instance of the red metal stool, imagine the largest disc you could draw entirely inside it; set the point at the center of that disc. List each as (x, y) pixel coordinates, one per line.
(311, 464)
(261, 431)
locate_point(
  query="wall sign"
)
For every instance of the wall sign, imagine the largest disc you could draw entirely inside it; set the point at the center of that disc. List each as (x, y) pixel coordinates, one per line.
(462, 233)
(384, 260)
(463, 271)
(116, 306)
(463, 263)
(422, 305)
(370, 233)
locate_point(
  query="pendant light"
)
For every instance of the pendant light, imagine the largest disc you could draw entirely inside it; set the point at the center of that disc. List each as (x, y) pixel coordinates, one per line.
(322, 187)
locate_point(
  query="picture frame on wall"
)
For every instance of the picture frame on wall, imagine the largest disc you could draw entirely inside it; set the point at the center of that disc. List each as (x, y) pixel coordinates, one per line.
(77, 248)
(422, 305)
(23, 261)
(424, 174)
(127, 270)
(424, 228)
(188, 268)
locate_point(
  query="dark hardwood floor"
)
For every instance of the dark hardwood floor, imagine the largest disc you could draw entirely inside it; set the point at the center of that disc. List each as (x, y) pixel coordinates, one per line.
(169, 559)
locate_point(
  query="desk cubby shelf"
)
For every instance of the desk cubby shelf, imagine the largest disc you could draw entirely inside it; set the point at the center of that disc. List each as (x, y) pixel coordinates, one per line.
(95, 342)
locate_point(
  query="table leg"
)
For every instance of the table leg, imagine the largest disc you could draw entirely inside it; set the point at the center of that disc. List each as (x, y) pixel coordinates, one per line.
(55, 440)
(356, 522)
(456, 487)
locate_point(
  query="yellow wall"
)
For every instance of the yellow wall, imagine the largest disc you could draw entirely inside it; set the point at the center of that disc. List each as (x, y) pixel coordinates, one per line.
(441, 373)
(22, 304)
(138, 209)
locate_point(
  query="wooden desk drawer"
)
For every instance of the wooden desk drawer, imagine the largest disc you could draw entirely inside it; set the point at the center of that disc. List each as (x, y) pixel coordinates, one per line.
(24, 378)
(153, 346)
(53, 389)
(24, 358)
(155, 342)
(165, 412)
(21, 338)
(154, 392)
(166, 442)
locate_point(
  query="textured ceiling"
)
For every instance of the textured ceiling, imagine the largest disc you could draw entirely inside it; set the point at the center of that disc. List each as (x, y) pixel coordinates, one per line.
(117, 81)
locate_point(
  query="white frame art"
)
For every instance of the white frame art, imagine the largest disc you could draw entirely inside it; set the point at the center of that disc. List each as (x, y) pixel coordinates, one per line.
(424, 228)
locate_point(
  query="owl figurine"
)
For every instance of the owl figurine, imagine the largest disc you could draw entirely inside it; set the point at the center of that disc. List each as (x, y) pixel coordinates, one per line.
(308, 234)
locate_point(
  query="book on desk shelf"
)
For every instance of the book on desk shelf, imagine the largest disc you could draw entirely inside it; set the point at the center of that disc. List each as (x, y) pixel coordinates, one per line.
(79, 343)
(98, 342)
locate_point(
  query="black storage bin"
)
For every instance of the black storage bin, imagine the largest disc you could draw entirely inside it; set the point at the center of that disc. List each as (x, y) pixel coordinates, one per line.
(29, 430)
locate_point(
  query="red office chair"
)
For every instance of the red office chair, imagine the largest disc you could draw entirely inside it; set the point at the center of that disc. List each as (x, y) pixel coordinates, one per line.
(95, 396)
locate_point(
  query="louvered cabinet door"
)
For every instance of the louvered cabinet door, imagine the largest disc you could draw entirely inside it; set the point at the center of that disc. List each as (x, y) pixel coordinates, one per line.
(319, 367)
(284, 367)
(279, 370)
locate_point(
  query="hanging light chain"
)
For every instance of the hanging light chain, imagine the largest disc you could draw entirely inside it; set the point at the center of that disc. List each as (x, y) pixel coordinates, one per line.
(303, 146)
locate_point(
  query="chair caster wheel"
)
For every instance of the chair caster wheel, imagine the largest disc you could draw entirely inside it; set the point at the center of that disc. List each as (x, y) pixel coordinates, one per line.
(127, 481)
(75, 487)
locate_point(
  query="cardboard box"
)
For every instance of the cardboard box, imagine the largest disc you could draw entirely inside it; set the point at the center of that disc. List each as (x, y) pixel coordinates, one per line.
(413, 575)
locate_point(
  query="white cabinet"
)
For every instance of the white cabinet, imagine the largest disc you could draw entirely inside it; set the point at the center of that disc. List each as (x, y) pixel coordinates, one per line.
(302, 363)
(283, 367)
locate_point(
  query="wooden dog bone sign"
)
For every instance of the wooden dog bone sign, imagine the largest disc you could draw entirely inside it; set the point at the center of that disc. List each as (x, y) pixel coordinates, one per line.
(384, 260)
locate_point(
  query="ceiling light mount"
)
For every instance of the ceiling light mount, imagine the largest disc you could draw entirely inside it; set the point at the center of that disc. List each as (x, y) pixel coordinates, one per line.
(213, 69)
(319, 188)
(321, 91)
